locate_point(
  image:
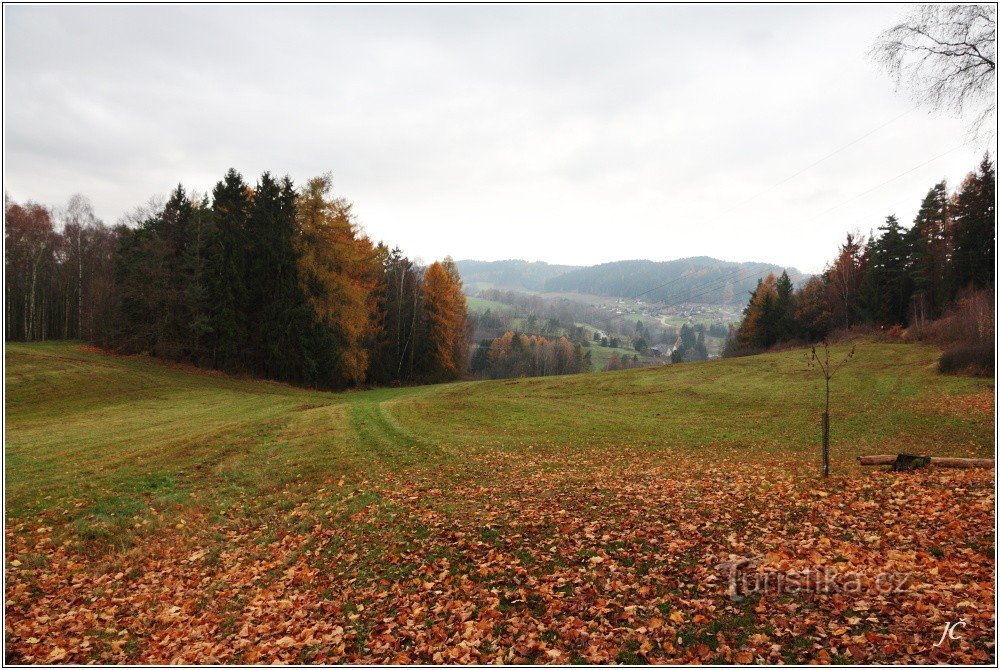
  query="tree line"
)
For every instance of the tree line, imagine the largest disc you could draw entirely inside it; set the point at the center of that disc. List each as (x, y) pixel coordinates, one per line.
(269, 280)
(897, 277)
(515, 354)
(58, 285)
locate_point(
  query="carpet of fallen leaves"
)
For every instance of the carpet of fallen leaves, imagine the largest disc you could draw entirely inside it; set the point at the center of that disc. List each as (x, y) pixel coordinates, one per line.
(599, 565)
(982, 403)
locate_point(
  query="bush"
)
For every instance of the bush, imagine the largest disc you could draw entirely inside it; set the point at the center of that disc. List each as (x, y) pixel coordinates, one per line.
(895, 333)
(976, 359)
(970, 321)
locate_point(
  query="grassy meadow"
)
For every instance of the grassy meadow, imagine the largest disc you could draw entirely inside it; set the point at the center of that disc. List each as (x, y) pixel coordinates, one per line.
(203, 518)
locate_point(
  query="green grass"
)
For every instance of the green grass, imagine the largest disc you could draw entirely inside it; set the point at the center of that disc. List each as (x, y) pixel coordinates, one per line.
(105, 438)
(600, 355)
(480, 305)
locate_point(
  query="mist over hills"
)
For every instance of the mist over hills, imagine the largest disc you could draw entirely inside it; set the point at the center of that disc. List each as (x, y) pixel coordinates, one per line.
(699, 279)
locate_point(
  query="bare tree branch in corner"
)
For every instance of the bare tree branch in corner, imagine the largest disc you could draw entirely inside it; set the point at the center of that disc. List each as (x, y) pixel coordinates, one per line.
(946, 56)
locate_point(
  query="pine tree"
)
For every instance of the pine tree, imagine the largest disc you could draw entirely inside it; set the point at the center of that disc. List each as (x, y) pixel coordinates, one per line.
(397, 327)
(141, 278)
(762, 318)
(173, 228)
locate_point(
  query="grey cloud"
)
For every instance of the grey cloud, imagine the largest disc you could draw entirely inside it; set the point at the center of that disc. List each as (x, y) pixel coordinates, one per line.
(564, 133)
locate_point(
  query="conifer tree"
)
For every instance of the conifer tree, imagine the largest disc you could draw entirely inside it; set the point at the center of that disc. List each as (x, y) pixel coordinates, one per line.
(337, 272)
(172, 228)
(974, 229)
(785, 325)
(228, 256)
(928, 247)
(282, 342)
(446, 317)
(887, 283)
(197, 297)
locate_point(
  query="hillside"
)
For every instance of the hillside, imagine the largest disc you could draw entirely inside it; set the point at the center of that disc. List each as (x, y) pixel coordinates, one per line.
(699, 279)
(557, 519)
(512, 274)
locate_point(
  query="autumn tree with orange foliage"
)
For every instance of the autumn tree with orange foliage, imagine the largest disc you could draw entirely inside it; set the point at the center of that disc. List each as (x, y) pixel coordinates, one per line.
(521, 355)
(760, 318)
(844, 278)
(446, 320)
(337, 271)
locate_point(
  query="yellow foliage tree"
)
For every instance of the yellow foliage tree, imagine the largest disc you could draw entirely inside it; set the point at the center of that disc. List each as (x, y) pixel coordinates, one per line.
(447, 318)
(338, 270)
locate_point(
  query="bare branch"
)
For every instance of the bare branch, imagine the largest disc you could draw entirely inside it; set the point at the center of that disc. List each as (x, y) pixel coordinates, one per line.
(945, 55)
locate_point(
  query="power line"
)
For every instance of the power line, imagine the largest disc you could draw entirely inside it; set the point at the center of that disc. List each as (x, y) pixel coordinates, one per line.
(668, 283)
(817, 162)
(887, 181)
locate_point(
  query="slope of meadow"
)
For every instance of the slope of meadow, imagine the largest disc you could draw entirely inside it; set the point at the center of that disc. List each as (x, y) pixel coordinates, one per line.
(159, 514)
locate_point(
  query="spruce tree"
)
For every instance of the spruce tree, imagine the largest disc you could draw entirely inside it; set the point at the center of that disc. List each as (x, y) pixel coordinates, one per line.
(929, 253)
(227, 258)
(974, 226)
(785, 317)
(194, 272)
(283, 343)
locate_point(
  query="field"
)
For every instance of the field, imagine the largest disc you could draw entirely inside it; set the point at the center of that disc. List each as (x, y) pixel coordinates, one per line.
(478, 305)
(160, 514)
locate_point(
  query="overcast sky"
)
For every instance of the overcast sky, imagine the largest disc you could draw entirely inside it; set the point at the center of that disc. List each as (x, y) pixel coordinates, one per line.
(566, 134)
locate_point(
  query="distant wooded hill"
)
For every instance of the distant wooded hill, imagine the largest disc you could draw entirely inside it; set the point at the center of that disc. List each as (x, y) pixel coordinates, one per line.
(512, 274)
(699, 279)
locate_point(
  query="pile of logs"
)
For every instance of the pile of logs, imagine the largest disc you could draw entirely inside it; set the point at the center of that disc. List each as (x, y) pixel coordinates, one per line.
(938, 461)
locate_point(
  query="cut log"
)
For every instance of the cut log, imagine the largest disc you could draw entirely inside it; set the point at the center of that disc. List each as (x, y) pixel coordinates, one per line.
(939, 461)
(883, 459)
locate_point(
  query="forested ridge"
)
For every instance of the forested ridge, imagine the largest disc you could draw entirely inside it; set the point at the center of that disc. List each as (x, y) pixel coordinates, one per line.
(269, 280)
(682, 280)
(698, 279)
(513, 273)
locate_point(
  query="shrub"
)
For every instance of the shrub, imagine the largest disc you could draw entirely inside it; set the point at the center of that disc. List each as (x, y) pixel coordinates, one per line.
(895, 333)
(970, 321)
(976, 359)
